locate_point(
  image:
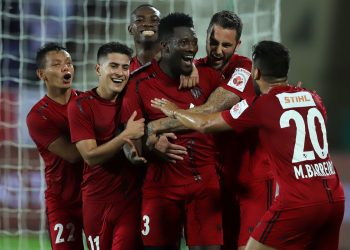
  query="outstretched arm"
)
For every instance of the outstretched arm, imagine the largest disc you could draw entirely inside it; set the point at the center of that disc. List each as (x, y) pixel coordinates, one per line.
(219, 100)
(204, 123)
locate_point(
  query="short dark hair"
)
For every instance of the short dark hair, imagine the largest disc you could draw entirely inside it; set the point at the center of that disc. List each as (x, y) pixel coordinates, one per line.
(272, 58)
(142, 6)
(113, 47)
(228, 20)
(46, 48)
(171, 21)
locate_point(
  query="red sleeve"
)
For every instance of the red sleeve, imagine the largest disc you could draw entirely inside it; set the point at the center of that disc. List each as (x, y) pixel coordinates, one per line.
(80, 120)
(218, 80)
(42, 128)
(241, 116)
(131, 102)
(240, 81)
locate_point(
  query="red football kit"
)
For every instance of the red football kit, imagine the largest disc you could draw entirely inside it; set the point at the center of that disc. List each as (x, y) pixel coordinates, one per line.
(111, 193)
(134, 64)
(244, 164)
(170, 189)
(292, 130)
(47, 121)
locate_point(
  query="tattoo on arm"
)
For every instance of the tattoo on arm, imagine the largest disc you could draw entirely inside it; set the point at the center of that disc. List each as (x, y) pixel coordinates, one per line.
(219, 100)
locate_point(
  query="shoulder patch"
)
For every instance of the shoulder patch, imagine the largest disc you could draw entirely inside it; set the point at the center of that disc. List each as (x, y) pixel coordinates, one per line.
(238, 109)
(239, 79)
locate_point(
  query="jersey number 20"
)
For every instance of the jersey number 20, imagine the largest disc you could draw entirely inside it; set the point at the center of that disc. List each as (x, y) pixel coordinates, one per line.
(299, 148)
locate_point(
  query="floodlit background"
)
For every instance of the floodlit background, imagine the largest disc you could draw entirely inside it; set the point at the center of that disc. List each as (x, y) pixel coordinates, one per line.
(315, 31)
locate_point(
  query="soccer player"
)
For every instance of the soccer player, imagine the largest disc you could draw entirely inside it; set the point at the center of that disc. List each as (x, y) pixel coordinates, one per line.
(48, 126)
(185, 193)
(308, 211)
(110, 188)
(144, 21)
(244, 168)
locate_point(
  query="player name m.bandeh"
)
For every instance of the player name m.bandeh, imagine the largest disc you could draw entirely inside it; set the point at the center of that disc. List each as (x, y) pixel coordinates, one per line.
(313, 170)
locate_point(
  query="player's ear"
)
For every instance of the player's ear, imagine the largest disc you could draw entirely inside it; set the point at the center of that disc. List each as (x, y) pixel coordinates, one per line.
(98, 69)
(256, 74)
(164, 45)
(130, 29)
(41, 74)
(238, 45)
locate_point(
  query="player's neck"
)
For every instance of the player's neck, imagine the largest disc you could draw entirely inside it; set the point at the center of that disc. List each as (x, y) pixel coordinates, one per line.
(276, 84)
(145, 55)
(107, 95)
(165, 66)
(60, 96)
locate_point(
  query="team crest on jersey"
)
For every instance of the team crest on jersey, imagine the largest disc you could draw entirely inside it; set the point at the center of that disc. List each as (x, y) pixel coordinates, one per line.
(196, 92)
(238, 109)
(239, 79)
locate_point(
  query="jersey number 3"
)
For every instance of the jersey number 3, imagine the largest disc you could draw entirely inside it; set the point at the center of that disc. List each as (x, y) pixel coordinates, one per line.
(299, 148)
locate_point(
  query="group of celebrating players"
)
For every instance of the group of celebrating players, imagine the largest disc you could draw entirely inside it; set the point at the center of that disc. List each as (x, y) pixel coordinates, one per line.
(220, 150)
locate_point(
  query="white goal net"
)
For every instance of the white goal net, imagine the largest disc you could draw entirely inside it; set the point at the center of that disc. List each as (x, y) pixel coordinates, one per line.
(82, 26)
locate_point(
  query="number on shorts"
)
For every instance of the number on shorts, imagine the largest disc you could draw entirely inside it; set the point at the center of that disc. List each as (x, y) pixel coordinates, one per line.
(71, 228)
(59, 227)
(299, 153)
(94, 243)
(145, 230)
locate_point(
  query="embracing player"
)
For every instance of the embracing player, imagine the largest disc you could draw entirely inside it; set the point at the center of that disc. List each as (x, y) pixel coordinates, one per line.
(308, 211)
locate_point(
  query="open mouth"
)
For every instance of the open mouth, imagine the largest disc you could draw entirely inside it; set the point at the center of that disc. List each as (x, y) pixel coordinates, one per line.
(67, 77)
(188, 59)
(148, 33)
(117, 80)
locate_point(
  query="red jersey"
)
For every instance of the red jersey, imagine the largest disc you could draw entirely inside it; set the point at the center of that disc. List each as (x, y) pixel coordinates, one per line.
(47, 121)
(241, 156)
(292, 130)
(134, 64)
(92, 117)
(151, 82)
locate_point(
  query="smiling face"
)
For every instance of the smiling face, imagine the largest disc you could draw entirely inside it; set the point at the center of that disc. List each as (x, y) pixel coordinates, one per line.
(113, 72)
(58, 70)
(144, 24)
(220, 45)
(182, 48)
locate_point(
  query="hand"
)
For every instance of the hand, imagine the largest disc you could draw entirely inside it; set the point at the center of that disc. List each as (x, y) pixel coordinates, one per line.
(132, 154)
(134, 128)
(189, 81)
(167, 107)
(172, 151)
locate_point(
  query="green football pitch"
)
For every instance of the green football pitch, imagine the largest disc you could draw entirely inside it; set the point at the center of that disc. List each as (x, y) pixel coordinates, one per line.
(24, 242)
(32, 243)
